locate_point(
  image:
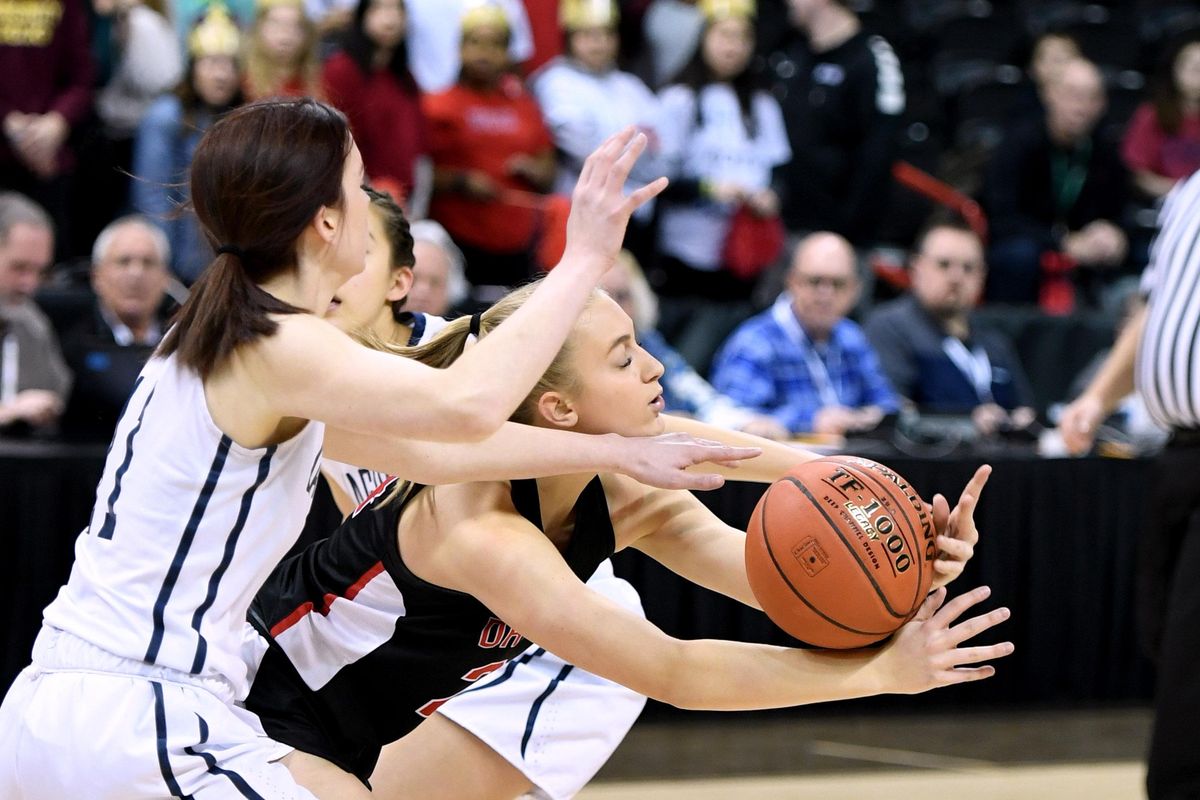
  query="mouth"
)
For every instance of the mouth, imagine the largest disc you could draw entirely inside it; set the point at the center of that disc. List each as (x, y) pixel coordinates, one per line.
(334, 304)
(658, 404)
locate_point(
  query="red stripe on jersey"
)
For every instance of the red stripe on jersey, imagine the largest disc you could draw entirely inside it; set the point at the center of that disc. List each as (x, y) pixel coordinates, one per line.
(307, 606)
(374, 493)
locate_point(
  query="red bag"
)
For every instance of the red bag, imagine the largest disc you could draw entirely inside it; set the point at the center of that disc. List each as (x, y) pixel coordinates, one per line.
(753, 243)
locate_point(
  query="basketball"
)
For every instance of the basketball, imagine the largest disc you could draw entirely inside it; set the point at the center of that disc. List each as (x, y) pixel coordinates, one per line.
(840, 552)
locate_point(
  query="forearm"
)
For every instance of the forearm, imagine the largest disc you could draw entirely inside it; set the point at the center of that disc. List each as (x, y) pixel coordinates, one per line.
(776, 460)
(730, 676)
(1114, 381)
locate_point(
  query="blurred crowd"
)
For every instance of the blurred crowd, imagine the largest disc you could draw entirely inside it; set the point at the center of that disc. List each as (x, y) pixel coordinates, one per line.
(871, 203)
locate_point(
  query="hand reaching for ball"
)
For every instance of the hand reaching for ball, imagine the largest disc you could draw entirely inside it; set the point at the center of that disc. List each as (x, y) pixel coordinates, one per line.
(957, 534)
(925, 653)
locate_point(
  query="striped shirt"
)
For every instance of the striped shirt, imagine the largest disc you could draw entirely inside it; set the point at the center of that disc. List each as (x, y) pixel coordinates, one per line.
(1167, 372)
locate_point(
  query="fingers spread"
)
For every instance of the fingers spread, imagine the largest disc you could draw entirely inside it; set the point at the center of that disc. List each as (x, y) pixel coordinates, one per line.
(954, 609)
(977, 625)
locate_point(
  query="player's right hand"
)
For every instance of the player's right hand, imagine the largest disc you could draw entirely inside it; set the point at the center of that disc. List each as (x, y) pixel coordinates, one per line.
(663, 461)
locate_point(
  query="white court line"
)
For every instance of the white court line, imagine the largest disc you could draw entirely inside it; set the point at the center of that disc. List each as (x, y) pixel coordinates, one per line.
(903, 758)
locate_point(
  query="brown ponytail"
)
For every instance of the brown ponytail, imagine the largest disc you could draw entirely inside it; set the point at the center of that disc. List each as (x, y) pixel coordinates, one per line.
(259, 176)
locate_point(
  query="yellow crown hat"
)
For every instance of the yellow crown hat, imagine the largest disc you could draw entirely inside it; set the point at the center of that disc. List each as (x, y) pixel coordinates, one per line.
(266, 5)
(215, 35)
(724, 9)
(484, 14)
(576, 15)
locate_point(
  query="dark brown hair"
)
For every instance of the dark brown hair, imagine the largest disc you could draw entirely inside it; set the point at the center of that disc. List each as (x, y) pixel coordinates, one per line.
(1164, 91)
(941, 220)
(259, 176)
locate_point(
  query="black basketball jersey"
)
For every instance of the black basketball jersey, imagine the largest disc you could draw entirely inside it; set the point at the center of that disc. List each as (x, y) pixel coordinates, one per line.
(362, 650)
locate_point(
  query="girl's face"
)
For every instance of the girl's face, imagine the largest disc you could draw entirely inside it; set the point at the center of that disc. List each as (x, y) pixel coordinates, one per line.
(359, 301)
(728, 45)
(384, 23)
(594, 48)
(215, 79)
(616, 382)
(1187, 72)
(349, 244)
(282, 32)
(484, 53)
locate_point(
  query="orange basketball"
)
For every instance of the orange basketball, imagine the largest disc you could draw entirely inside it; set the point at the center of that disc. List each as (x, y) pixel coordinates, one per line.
(840, 552)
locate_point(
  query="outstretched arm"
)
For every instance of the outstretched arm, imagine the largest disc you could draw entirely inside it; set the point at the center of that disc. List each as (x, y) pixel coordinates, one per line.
(516, 572)
(776, 459)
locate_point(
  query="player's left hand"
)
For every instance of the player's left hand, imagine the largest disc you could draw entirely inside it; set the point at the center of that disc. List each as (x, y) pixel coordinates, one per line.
(956, 529)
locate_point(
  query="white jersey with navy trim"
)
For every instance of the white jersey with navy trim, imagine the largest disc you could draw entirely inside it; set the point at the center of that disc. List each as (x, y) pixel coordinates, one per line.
(1168, 361)
(186, 527)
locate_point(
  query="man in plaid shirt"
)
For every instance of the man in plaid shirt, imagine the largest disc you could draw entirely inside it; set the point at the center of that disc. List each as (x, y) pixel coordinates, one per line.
(801, 362)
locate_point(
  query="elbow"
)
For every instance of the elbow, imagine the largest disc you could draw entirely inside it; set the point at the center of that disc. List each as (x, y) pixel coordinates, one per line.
(672, 683)
(478, 417)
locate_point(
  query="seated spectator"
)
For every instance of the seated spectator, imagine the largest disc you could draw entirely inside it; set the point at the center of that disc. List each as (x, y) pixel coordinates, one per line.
(1054, 193)
(491, 153)
(46, 80)
(107, 349)
(1048, 54)
(34, 380)
(842, 94)
(170, 131)
(684, 391)
(1162, 143)
(722, 137)
(368, 79)
(281, 54)
(435, 38)
(439, 275)
(802, 362)
(585, 99)
(934, 353)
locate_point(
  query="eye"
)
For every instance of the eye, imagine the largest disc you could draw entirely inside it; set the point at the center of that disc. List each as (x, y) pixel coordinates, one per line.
(627, 362)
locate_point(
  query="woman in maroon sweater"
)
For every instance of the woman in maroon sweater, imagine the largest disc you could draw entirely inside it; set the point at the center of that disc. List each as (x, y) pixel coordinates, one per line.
(369, 80)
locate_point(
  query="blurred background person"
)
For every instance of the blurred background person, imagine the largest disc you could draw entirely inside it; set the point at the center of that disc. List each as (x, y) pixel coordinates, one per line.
(1055, 186)
(34, 379)
(802, 362)
(281, 53)
(487, 139)
(170, 131)
(369, 80)
(435, 38)
(1162, 142)
(46, 80)
(585, 98)
(107, 349)
(722, 135)
(672, 29)
(684, 390)
(439, 284)
(934, 353)
(842, 93)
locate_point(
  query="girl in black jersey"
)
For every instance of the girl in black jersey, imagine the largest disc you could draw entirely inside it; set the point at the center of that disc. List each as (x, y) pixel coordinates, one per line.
(416, 599)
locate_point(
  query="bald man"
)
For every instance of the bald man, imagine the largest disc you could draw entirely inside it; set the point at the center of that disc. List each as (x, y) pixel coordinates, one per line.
(802, 362)
(1055, 187)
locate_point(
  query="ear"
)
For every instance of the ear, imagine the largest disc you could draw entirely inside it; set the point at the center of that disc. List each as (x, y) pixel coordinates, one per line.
(326, 221)
(402, 281)
(556, 409)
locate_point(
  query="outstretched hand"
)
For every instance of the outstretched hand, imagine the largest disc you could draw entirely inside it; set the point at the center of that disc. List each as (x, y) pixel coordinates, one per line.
(925, 653)
(663, 461)
(600, 209)
(957, 534)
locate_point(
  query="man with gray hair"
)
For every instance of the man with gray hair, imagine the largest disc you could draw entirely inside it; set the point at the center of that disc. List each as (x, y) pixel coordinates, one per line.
(439, 276)
(34, 380)
(106, 350)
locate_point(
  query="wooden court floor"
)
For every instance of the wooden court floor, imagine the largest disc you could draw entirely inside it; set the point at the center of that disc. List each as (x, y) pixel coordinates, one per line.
(1044, 755)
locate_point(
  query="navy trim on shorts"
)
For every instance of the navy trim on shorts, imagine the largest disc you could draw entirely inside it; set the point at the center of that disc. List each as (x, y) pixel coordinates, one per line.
(264, 467)
(160, 730)
(537, 704)
(211, 763)
(110, 519)
(508, 671)
(185, 544)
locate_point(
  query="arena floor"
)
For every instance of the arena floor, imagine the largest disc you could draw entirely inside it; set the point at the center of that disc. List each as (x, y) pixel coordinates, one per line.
(1091, 755)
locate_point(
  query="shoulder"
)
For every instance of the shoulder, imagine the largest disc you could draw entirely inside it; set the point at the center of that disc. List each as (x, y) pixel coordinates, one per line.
(851, 334)
(166, 111)
(341, 66)
(898, 312)
(756, 334)
(677, 95)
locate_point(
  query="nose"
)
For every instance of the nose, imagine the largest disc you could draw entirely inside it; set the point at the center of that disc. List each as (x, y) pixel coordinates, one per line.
(653, 369)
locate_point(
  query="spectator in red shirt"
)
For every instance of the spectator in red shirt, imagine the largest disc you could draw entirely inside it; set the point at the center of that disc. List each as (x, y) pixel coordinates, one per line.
(281, 57)
(492, 153)
(370, 81)
(46, 78)
(1162, 143)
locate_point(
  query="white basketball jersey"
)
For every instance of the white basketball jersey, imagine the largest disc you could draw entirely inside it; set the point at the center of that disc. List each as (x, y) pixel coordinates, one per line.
(186, 527)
